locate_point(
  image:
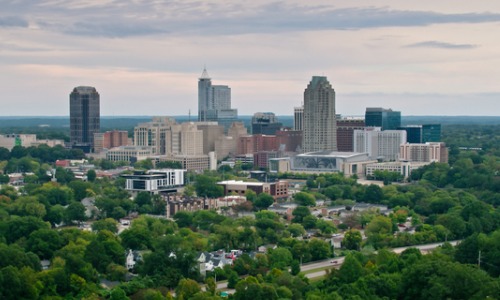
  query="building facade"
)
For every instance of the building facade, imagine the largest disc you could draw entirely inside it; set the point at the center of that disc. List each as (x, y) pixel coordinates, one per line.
(380, 145)
(110, 139)
(84, 117)
(345, 132)
(428, 152)
(298, 118)
(214, 102)
(387, 119)
(265, 123)
(155, 181)
(421, 134)
(320, 126)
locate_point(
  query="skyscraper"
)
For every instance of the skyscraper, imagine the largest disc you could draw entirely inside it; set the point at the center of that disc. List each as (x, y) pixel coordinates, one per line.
(214, 102)
(320, 125)
(387, 119)
(298, 118)
(84, 117)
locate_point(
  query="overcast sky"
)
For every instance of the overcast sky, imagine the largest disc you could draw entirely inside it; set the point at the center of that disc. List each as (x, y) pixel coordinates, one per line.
(423, 57)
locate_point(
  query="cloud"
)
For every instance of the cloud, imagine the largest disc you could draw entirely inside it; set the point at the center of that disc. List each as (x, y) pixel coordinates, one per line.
(441, 45)
(141, 17)
(13, 21)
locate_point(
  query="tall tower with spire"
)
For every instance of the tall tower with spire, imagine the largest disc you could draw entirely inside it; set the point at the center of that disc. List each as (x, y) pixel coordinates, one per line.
(205, 96)
(214, 102)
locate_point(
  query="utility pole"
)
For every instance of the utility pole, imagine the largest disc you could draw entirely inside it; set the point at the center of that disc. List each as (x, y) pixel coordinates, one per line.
(479, 260)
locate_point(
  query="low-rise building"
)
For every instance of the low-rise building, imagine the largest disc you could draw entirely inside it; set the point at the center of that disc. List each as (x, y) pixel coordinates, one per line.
(129, 153)
(277, 189)
(402, 167)
(155, 181)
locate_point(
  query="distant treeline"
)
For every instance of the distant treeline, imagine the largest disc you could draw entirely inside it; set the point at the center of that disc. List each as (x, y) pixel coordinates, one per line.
(128, 122)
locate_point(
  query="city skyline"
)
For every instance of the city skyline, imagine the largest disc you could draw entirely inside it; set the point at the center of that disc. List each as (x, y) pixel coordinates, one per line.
(421, 58)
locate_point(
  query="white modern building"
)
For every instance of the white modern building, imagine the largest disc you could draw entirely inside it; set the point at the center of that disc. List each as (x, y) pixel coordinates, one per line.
(155, 181)
(380, 145)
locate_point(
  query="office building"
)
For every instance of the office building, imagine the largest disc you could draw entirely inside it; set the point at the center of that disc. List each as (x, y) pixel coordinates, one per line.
(428, 152)
(320, 125)
(265, 123)
(387, 119)
(110, 139)
(160, 181)
(214, 102)
(345, 132)
(380, 145)
(421, 134)
(289, 140)
(84, 117)
(298, 118)
(156, 134)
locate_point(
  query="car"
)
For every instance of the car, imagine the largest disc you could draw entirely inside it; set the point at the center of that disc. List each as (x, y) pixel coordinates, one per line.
(333, 262)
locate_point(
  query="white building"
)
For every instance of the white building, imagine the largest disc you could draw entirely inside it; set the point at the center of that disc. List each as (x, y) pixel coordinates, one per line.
(402, 167)
(155, 181)
(129, 153)
(381, 145)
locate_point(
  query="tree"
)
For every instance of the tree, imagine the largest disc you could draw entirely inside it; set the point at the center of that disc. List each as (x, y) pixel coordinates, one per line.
(350, 270)
(44, 242)
(106, 224)
(373, 194)
(295, 267)
(304, 199)
(206, 186)
(352, 239)
(299, 213)
(280, 258)
(263, 201)
(187, 288)
(91, 175)
(74, 212)
(183, 218)
(319, 249)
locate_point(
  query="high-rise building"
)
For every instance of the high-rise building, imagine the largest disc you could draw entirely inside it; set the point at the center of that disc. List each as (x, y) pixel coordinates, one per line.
(381, 145)
(298, 118)
(345, 132)
(320, 125)
(387, 119)
(265, 123)
(84, 117)
(214, 102)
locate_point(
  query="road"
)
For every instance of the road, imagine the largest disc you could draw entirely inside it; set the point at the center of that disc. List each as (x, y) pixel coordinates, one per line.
(338, 261)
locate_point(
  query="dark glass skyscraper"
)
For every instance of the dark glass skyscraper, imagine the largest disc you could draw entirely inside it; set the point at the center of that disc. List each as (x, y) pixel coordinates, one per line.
(381, 117)
(84, 117)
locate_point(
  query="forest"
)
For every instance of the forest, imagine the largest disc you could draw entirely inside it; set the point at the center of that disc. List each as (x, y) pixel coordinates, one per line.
(47, 252)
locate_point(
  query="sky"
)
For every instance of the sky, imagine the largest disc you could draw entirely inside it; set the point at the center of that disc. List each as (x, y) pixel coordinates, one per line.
(423, 57)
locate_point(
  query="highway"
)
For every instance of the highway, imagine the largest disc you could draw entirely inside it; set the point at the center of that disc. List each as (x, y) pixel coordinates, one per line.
(338, 261)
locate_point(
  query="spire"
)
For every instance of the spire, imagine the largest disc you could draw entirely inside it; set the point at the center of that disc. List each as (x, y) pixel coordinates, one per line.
(204, 75)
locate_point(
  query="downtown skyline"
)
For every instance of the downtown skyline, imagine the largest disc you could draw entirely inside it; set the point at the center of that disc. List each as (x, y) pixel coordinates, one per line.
(145, 58)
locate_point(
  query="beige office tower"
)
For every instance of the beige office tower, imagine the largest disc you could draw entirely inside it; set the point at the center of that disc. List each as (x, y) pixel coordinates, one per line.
(156, 134)
(227, 145)
(320, 125)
